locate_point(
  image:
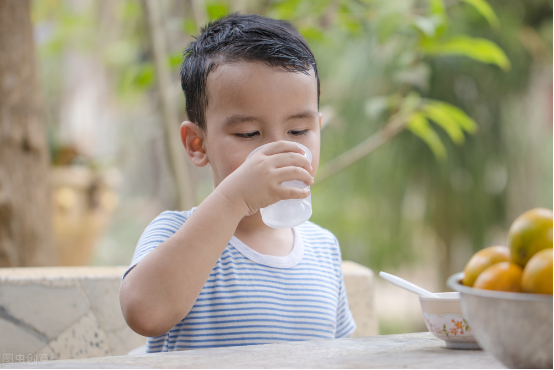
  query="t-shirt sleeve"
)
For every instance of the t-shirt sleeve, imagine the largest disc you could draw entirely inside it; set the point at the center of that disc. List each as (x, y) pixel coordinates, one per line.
(158, 231)
(345, 322)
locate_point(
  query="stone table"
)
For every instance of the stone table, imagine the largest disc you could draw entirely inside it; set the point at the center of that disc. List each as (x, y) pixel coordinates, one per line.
(417, 350)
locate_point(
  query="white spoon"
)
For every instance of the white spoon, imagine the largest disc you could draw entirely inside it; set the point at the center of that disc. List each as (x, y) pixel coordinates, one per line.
(399, 282)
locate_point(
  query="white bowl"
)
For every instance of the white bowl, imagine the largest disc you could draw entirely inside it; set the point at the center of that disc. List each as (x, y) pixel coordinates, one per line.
(445, 320)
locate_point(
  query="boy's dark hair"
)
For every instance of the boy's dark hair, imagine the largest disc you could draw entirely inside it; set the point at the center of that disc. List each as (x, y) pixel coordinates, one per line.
(235, 38)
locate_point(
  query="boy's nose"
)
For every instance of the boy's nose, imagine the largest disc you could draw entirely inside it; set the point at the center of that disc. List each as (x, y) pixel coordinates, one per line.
(276, 136)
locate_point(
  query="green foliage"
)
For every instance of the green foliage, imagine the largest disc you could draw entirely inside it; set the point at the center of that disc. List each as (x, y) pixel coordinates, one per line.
(438, 13)
(71, 25)
(437, 7)
(486, 11)
(443, 119)
(454, 113)
(432, 38)
(419, 125)
(441, 64)
(409, 34)
(174, 60)
(189, 26)
(137, 78)
(481, 50)
(450, 118)
(428, 25)
(217, 9)
(312, 34)
(371, 206)
(294, 10)
(434, 42)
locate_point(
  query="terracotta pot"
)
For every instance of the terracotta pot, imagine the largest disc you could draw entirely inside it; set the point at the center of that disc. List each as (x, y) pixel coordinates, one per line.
(82, 204)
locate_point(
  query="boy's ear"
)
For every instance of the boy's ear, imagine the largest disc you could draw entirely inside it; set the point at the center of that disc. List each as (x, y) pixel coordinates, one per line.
(193, 138)
(320, 118)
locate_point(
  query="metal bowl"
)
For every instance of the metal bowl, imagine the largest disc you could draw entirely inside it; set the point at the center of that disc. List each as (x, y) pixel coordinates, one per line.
(516, 328)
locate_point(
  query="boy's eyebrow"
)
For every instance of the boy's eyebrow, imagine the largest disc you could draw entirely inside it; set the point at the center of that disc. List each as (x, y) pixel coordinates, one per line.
(235, 119)
(304, 114)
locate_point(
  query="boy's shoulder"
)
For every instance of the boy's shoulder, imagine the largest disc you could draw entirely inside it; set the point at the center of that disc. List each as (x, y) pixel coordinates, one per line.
(314, 231)
(167, 221)
(321, 244)
(178, 216)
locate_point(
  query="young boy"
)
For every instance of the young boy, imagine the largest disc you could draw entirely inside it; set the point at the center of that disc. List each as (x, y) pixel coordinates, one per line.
(216, 275)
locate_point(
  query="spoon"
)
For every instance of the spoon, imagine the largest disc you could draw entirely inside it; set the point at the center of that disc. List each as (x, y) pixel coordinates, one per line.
(399, 282)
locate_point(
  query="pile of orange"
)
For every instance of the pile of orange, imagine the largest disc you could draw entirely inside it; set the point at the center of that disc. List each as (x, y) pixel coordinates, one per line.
(525, 265)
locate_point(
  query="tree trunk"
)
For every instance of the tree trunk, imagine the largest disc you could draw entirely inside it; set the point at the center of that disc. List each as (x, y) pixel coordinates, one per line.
(25, 209)
(175, 153)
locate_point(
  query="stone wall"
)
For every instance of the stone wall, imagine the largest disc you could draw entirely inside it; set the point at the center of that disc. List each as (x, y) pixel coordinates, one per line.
(74, 312)
(65, 312)
(359, 282)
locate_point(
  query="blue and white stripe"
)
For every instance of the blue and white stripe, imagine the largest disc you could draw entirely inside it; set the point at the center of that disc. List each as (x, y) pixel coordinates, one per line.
(250, 298)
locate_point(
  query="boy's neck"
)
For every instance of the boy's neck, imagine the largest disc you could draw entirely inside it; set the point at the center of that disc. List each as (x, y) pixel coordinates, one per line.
(253, 223)
(264, 239)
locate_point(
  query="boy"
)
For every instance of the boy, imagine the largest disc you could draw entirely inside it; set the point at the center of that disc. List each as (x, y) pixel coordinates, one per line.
(216, 275)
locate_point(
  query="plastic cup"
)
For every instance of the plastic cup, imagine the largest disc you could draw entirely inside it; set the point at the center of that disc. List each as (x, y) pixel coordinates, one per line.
(288, 213)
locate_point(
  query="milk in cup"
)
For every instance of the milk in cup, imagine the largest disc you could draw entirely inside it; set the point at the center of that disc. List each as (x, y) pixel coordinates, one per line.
(288, 213)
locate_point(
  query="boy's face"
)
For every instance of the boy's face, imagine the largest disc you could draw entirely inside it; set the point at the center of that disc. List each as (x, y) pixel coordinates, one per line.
(252, 104)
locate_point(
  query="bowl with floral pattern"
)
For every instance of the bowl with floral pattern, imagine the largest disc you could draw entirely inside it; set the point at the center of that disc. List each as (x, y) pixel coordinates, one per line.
(445, 320)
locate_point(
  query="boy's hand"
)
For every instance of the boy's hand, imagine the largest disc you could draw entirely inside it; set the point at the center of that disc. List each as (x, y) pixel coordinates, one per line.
(257, 182)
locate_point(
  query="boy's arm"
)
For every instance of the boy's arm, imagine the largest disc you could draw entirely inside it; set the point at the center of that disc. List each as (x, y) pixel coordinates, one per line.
(160, 290)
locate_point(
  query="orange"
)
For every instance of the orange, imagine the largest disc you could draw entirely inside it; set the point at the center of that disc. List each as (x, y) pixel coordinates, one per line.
(504, 276)
(483, 259)
(530, 232)
(537, 274)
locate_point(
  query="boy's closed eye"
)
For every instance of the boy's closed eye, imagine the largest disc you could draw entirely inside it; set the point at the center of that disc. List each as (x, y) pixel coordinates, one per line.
(250, 135)
(298, 132)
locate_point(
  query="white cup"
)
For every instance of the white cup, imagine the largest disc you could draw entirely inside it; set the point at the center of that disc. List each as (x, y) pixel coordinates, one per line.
(288, 213)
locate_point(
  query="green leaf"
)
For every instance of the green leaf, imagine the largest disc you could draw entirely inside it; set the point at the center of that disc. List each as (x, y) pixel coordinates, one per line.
(284, 9)
(349, 24)
(136, 78)
(458, 115)
(443, 119)
(217, 10)
(312, 33)
(418, 124)
(438, 11)
(437, 7)
(175, 60)
(410, 102)
(426, 25)
(129, 10)
(486, 11)
(387, 25)
(479, 49)
(190, 27)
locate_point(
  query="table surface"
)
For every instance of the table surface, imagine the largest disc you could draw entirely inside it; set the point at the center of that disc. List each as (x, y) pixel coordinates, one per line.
(416, 350)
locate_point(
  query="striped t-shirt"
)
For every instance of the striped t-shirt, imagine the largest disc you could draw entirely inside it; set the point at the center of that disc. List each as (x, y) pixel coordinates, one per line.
(251, 298)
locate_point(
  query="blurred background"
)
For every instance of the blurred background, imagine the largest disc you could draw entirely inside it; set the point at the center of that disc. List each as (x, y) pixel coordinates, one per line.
(437, 129)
